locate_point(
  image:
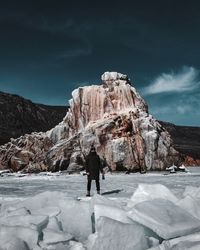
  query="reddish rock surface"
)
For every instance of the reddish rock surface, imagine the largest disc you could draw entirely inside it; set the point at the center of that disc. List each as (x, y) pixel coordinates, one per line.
(112, 117)
(26, 153)
(190, 161)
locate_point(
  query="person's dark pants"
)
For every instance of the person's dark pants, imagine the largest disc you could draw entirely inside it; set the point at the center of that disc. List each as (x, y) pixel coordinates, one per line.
(90, 182)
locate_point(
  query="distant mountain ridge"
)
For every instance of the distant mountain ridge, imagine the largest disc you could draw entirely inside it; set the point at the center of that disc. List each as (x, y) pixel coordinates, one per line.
(186, 139)
(19, 116)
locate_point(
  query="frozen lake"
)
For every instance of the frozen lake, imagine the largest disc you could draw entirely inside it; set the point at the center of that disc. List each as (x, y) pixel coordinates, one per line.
(75, 185)
(153, 211)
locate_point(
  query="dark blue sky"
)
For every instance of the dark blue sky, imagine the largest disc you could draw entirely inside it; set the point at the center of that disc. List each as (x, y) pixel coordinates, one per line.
(50, 47)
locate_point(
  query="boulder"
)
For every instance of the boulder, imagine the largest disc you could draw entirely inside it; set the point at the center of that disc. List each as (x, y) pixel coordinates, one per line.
(115, 119)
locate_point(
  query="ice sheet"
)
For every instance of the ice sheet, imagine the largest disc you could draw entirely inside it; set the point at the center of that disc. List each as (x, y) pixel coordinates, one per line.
(54, 197)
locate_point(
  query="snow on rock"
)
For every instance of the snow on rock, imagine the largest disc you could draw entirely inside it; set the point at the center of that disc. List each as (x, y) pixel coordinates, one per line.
(113, 76)
(26, 152)
(164, 218)
(113, 117)
(112, 234)
(149, 192)
(189, 242)
(56, 133)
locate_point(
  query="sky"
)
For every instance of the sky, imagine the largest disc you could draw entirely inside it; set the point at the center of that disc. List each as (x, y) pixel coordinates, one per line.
(50, 47)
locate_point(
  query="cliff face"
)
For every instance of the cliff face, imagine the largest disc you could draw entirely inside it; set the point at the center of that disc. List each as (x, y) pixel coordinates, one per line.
(115, 119)
(19, 116)
(186, 141)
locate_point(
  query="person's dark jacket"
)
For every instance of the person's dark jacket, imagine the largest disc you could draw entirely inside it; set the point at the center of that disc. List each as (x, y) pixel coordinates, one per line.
(93, 166)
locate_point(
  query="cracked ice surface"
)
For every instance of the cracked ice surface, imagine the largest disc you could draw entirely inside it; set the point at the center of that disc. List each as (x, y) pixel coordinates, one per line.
(154, 211)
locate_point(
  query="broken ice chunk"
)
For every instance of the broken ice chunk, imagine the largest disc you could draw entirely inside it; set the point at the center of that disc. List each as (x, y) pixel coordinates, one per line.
(76, 218)
(99, 199)
(54, 224)
(189, 242)
(111, 212)
(190, 205)
(164, 218)
(74, 245)
(149, 192)
(14, 212)
(27, 220)
(54, 237)
(193, 192)
(28, 235)
(112, 234)
(50, 211)
(14, 244)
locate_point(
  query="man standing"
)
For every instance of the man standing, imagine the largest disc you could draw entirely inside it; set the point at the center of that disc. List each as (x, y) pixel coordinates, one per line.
(93, 168)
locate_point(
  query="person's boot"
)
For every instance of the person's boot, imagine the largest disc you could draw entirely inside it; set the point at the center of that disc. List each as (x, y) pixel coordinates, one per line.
(88, 194)
(98, 192)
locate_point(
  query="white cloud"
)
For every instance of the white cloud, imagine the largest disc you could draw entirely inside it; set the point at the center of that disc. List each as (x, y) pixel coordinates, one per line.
(178, 108)
(186, 80)
(184, 109)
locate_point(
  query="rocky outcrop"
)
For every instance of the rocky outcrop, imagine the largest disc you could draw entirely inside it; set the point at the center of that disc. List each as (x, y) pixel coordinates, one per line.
(26, 153)
(115, 119)
(19, 116)
(190, 161)
(186, 141)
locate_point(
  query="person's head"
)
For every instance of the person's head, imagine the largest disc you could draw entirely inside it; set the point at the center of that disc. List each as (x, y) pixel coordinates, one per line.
(92, 149)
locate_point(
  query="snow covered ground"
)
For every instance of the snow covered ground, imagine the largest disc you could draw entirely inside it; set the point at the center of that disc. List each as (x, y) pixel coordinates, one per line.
(157, 211)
